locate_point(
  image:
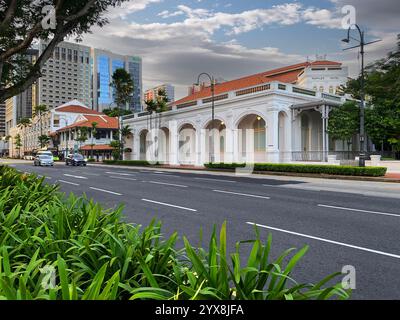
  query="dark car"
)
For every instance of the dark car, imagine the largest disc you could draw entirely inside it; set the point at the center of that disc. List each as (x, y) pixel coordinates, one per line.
(75, 160)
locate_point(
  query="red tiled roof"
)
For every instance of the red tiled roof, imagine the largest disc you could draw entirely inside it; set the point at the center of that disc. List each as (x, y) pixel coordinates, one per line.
(103, 122)
(287, 74)
(77, 109)
(97, 147)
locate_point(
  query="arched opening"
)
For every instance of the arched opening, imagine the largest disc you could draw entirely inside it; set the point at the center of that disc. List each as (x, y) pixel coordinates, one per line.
(305, 133)
(252, 139)
(187, 145)
(215, 141)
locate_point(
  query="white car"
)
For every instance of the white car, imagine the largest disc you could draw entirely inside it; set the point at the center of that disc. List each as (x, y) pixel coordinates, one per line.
(43, 160)
(29, 158)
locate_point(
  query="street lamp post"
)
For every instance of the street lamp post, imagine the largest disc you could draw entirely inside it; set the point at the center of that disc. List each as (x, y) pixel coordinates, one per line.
(212, 156)
(361, 45)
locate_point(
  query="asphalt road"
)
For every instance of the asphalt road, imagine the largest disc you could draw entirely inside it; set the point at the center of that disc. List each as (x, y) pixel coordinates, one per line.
(341, 228)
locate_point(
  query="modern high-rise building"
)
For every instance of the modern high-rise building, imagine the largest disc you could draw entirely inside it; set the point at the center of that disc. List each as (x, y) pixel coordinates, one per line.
(23, 104)
(2, 119)
(67, 75)
(104, 65)
(152, 94)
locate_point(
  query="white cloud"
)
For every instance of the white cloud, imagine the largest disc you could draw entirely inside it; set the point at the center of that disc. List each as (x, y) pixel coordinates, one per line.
(129, 7)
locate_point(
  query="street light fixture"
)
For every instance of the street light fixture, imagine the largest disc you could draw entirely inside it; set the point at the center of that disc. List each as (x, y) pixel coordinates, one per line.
(361, 45)
(212, 156)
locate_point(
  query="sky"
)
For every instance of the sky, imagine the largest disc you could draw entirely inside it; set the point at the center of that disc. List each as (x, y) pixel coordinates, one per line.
(178, 40)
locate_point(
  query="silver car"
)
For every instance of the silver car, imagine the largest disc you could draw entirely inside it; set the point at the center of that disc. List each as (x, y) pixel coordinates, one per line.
(43, 160)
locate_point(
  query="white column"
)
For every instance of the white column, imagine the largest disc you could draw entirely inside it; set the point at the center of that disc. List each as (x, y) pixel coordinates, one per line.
(229, 148)
(272, 139)
(199, 161)
(174, 143)
(136, 147)
(235, 144)
(203, 147)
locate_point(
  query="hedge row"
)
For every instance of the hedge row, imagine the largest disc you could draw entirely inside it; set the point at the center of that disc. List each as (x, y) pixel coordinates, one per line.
(58, 248)
(306, 168)
(128, 162)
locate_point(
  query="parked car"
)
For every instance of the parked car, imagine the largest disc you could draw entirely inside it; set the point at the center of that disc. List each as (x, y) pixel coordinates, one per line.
(29, 157)
(75, 160)
(43, 160)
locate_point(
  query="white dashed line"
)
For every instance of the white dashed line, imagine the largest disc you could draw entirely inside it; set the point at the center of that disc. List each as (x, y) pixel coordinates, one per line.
(123, 178)
(76, 177)
(169, 205)
(106, 191)
(327, 240)
(67, 182)
(168, 184)
(243, 194)
(359, 210)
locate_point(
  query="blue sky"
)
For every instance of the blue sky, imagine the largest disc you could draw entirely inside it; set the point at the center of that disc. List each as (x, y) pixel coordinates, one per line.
(233, 38)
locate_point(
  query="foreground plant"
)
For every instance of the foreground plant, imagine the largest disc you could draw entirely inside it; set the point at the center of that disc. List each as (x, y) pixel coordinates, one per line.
(53, 247)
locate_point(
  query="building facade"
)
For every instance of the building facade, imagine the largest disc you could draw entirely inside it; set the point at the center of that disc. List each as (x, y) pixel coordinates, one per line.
(49, 123)
(267, 117)
(104, 65)
(2, 119)
(152, 94)
(67, 75)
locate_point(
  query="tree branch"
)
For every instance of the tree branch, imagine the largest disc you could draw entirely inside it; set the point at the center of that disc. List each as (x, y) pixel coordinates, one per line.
(60, 33)
(24, 44)
(81, 13)
(9, 14)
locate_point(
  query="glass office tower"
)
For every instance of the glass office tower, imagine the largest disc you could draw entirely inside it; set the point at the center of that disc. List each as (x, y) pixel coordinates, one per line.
(105, 64)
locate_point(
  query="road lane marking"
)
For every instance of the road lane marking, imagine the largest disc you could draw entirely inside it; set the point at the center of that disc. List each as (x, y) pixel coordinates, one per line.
(106, 191)
(242, 194)
(220, 180)
(67, 182)
(41, 176)
(72, 176)
(123, 178)
(359, 210)
(169, 205)
(168, 184)
(327, 240)
(119, 173)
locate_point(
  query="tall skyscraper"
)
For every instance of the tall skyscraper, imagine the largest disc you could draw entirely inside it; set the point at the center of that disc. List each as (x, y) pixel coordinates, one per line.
(2, 119)
(152, 94)
(104, 65)
(23, 104)
(67, 75)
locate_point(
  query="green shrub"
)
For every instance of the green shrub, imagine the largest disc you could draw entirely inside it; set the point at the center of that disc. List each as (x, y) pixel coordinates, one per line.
(306, 168)
(91, 160)
(128, 162)
(94, 254)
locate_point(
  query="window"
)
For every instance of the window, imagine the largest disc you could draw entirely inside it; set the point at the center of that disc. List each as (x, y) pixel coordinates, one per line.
(69, 54)
(321, 89)
(63, 54)
(331, 90)
(75, 56)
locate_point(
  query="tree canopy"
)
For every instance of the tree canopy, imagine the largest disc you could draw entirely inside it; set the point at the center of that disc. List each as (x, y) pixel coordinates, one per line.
(382, 87)
(122, 84)
(23, 23)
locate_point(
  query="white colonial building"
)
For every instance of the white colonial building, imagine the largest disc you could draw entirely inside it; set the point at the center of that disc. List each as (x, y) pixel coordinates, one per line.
(276, 116)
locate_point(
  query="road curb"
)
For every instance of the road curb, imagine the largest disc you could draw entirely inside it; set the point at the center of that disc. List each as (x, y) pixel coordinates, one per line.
(267, 173)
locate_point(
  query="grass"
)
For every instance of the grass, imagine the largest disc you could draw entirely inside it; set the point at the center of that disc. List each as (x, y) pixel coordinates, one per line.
(54, 247)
